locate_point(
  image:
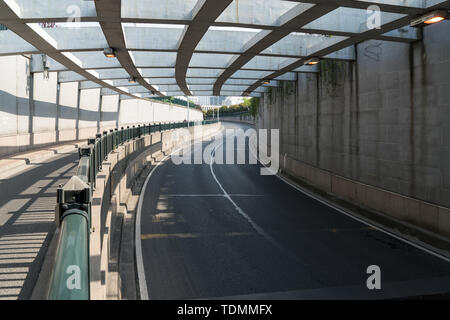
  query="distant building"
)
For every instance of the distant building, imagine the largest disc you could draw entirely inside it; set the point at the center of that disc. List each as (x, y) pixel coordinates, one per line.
(208, 103)
(219, 101)
(229, 101)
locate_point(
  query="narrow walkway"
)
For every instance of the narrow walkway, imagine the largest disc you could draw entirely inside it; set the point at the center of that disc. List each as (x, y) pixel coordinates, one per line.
(27, 203)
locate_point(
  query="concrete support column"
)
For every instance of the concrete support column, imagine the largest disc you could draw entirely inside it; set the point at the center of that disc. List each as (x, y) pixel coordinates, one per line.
(187, 104)
(77, 123)
(31, 113)
(118, 112)
(58, 109)
(100, 118)
(153, 108)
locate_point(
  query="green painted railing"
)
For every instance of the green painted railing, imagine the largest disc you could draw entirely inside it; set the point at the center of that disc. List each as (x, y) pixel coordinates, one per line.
(70, 281)
(70, 275)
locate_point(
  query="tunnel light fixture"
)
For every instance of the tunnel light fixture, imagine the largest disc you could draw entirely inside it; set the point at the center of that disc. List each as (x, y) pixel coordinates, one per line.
(312, 61)
(430, 18)
(45, 67)
(131, 80)
(46, 73)
(109, 53)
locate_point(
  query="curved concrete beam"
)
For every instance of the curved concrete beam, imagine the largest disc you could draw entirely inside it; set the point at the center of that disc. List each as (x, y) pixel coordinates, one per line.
(297, 17)
(366, 35)
(37, 38)
(116, 40)
(204, 14)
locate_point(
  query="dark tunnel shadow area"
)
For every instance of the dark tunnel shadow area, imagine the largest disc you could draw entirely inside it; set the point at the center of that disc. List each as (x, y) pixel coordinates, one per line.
(196, 245)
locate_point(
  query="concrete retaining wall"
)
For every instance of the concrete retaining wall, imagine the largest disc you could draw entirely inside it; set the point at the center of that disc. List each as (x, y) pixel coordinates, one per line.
(427, 216)
(381, 122)
(60, 112)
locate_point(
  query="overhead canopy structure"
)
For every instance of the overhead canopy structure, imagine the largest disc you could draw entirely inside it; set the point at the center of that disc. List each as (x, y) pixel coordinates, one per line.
(196, 47)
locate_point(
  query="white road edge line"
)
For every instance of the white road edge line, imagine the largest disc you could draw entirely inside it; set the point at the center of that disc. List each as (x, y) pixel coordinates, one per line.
(354, 217)
(139, 258)
(143, 290)
(212, 195)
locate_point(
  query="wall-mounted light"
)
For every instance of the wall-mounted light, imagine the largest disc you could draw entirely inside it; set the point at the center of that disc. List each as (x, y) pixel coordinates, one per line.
(131, 80)
(46, 73)
(312, 61)
(430, 18)
(45, 67)
(109, 53)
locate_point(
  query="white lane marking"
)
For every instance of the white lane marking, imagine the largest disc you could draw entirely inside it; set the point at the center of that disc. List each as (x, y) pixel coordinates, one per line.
(354, 217)
(212, 195)
(138, 241)
(254, 225)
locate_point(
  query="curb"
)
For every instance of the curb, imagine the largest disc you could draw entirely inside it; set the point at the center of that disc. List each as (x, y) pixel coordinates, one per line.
(19, 160)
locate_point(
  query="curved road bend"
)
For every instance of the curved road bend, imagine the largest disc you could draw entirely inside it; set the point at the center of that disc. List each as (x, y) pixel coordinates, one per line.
(226, 231)
(27, 205)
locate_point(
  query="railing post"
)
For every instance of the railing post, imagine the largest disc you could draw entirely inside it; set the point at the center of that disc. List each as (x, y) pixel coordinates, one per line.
(110, 140)
(105, 145)
(99, 151)
(92, 163)
(116, 138)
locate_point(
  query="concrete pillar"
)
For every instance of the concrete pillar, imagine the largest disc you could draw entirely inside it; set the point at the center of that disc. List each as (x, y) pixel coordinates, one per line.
(118, 112)
(100, 118)
(77, 123)
(58, 109)
(31, 113)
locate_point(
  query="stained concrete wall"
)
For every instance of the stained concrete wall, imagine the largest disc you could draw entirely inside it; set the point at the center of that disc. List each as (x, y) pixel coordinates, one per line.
(383, 120)
(60, 112)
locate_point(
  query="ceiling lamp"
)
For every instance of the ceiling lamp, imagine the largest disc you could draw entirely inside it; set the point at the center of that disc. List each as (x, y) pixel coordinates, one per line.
(109, 53)
(132, 80)
(312, 61)
(430, 18)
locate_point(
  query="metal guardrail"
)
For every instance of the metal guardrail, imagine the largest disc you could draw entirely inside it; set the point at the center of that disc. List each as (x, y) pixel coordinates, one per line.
(70, 275)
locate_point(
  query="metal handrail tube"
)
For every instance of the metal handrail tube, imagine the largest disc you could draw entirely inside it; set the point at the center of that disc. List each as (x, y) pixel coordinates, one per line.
(70, 277)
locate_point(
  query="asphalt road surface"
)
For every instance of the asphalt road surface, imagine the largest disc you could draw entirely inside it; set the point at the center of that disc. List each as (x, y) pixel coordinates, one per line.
(225, 231)
(27, 204)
